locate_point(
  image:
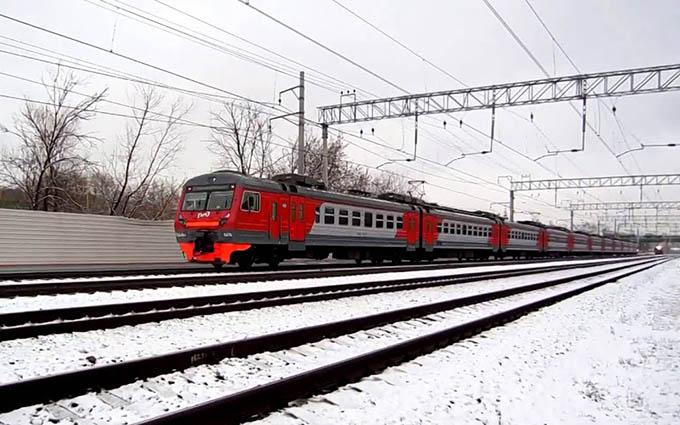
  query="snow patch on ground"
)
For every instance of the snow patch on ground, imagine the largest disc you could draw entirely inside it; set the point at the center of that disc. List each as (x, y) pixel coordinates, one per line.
(43, 302)
(609, 356)
(47, 354)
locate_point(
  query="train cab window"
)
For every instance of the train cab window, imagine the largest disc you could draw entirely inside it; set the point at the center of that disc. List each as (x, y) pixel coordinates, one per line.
(317, 214)
(379, 220)
(400, 222)
(390, 222)
(251, 201)
(368, 219)
(194, 201)
(220, 200)
(343, 217)
(329, 215)
(356, 218)
(301, 212)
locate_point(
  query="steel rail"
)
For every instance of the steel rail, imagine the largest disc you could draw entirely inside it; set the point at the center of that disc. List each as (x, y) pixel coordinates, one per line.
(302, 272)
(263, 399)
(62, 385)
(190, 268)
(31, 323)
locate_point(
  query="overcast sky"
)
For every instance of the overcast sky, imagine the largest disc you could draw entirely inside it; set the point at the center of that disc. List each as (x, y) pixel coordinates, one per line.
(462, 37)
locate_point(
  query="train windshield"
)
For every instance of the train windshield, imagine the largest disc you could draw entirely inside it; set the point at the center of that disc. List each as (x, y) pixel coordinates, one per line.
(208, 200)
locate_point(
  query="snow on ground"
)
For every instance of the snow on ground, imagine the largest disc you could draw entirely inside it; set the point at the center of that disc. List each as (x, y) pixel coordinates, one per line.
(42, 302)
(155, 396)
(26, 358)
(609, 356)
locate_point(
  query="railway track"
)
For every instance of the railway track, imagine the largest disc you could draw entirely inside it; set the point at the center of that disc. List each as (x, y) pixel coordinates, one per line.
(262, 399)
(33, 323)
(9, 288)
(7, 274)
(243, 404)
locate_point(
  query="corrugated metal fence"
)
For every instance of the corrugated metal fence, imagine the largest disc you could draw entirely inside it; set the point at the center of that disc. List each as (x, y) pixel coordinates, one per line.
(36, 238)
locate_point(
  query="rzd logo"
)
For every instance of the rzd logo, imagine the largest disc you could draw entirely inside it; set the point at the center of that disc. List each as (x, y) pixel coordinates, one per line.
(203, 214)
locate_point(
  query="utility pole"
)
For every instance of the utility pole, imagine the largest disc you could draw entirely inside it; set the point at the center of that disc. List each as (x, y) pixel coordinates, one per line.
(324, 165)
(301, 122)
(512, 205)
(301, 126)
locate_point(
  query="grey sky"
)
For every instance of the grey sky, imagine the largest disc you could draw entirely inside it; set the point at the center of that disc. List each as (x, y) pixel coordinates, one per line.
(461, 36)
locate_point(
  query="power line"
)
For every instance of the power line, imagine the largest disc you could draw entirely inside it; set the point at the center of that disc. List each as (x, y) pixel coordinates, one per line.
(375, 27)
(180, 121)
(421, 57)
(134, 60)
(207, 41)
(245, 40)
(515, 36)
(547, 74)
(323, 46)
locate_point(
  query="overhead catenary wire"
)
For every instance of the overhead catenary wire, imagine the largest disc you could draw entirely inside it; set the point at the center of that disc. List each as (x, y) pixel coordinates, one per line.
(135, 60)
(512, 150)
(316, 42)
(181, 31)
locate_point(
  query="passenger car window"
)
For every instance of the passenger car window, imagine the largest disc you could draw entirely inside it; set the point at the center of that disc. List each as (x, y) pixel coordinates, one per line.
(379, 219)
(400, 222)
(390, 222)
(251, 201)
(329, 215)
(343, 217)
(356, 218)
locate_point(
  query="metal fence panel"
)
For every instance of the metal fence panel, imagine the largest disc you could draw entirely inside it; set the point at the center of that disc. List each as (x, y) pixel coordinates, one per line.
(43, 238)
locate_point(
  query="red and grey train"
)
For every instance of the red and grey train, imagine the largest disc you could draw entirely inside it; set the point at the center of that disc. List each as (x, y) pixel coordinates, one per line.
(228, 218)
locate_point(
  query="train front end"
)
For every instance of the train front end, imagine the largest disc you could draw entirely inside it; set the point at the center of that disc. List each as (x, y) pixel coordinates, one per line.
(205, 219)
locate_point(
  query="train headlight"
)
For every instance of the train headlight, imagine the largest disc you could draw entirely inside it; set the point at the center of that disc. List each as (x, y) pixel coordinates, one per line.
(180, 234)
(227, 234)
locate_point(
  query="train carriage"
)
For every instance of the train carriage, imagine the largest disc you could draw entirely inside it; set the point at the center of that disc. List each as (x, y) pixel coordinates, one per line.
(227, 217)
(466, 234)
(582, 243)
(525, 238)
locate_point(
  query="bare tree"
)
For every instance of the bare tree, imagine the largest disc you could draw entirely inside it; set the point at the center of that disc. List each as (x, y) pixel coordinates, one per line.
(51, 145)
(342, 174)
(148, 149)
(241, 139)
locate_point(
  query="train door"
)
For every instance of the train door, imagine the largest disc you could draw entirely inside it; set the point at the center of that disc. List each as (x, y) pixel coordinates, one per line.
(275, 220)
(297, 218)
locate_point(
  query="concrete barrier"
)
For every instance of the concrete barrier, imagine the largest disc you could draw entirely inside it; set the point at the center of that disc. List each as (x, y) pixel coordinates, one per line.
(46, 238)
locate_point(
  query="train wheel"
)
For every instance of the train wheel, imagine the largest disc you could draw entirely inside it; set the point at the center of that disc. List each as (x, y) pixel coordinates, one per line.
(396, 260)
(218, 266)
(245, 262)
(274, 262)
(358, 261)
(376, 261)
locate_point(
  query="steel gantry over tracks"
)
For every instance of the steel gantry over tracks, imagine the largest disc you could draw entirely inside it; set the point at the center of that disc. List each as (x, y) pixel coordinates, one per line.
(548, 90)
(648, 205)
(591, 182)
